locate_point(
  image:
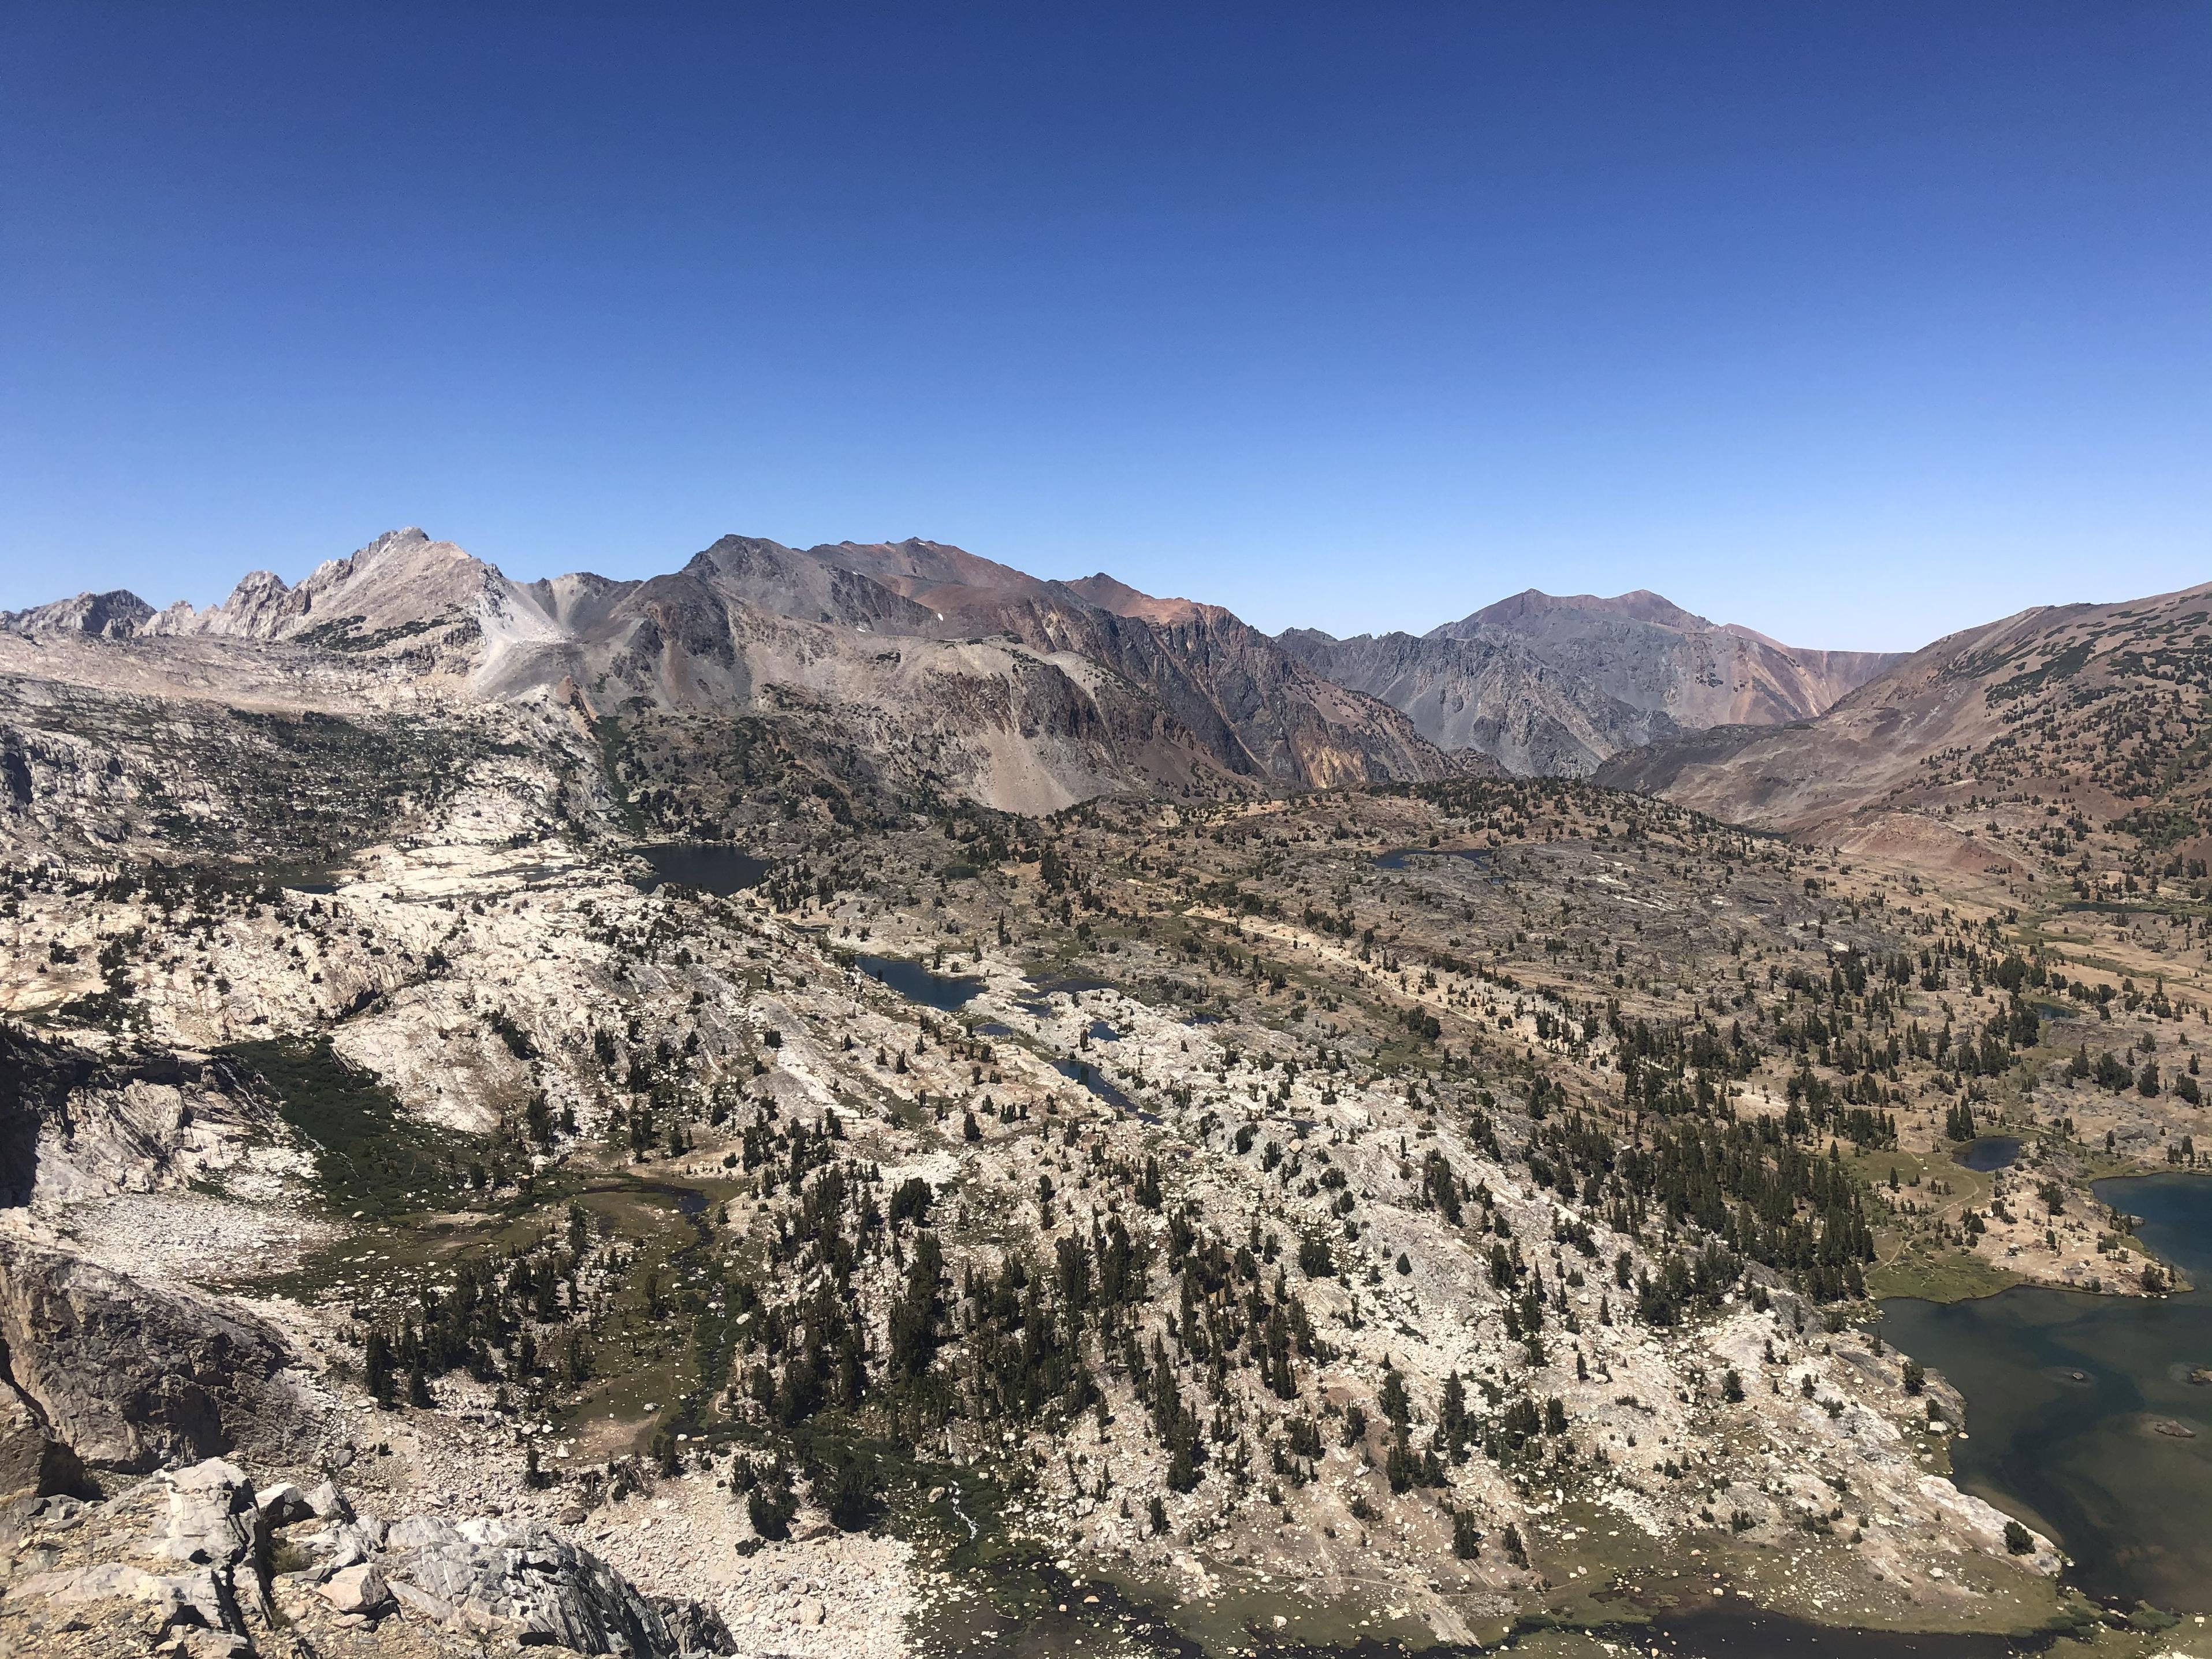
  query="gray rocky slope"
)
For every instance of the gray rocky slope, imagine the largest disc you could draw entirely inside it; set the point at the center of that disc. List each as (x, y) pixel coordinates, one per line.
(246, 874)
(1546, 684)
(940, 671)
(374, 828)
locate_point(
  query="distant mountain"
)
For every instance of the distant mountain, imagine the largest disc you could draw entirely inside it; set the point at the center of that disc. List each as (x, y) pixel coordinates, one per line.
(113, 615)
(932, 668)
(1544, 683)
(2057, 718)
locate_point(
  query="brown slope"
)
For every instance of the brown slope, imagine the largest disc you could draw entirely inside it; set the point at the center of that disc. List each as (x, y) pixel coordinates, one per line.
(986, 720)
(1123, 600)
(1257, 712)
(1196, 698)
(2100, 707)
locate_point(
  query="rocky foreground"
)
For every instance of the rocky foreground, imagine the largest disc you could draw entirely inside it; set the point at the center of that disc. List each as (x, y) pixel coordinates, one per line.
(196, 1561)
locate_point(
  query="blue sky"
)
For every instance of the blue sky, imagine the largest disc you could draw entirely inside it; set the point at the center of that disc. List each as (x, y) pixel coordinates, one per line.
(1854, 322)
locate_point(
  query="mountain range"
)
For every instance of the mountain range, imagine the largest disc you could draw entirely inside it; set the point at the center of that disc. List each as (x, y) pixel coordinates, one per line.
(914, 670)
(969, 676)
(935, 669)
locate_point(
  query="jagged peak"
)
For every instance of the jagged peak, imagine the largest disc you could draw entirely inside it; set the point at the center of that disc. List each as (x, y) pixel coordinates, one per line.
(116, 615)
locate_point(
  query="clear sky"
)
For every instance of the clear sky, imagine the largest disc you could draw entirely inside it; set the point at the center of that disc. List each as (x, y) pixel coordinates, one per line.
(1856, 322)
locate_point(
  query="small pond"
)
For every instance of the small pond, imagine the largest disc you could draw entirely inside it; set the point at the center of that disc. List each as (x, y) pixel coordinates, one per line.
(1082, 1071)
(1988, 1152)
(2091, 1415)
(1072, 985)
(1396, 858)
(714, 868)
(946, 993)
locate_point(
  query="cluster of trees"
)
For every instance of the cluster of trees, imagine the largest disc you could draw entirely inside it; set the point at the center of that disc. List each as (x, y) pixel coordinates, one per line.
(490, 1323)
(2109, 1071)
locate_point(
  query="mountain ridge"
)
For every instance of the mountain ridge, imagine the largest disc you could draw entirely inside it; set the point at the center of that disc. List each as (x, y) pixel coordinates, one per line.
(967, 676)
(2083, 713)
(1549, 683)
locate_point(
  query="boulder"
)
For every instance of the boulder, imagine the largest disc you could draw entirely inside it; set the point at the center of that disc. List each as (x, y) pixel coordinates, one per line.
(284, 1505)
(327, 1503)
(132, 1378)
(694, 1626)
(198, 1527)
(533, 1585)
(358, 1590)
(208, 1517)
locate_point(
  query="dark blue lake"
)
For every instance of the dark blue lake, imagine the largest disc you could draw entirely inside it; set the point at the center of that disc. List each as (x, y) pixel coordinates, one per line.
(1396, 858)
(710, 867)
(943, 992)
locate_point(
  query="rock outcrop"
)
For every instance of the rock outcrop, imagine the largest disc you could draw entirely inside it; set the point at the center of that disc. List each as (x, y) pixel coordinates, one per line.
(76, 1122)
(196, 1557)
(111, 615)
(131, 1377)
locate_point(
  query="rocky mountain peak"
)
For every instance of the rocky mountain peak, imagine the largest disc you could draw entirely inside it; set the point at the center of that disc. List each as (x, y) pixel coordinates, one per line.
(403, 579)
(115, 615)
(919, 569)
(1123, 600)
(1533, 605)
(1545, 683)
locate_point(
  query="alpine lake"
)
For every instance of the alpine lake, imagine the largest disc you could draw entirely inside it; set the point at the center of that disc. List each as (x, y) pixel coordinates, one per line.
(2090, 1415)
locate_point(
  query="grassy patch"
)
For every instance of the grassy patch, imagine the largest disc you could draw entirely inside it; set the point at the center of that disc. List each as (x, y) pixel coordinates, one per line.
(371, 1157)
(1938, 1275)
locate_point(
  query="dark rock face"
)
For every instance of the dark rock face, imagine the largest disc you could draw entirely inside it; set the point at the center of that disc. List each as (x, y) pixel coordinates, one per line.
(14, 770)
(33, 1463)
(36, 1079)
(75, 1121)
(131, 1378)
(1488, 696)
